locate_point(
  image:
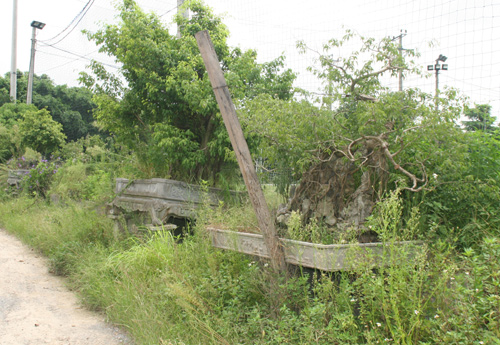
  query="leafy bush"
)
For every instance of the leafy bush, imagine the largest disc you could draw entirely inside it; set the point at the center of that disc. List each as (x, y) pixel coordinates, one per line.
(472, 316)
(70, 181)
(28, 160)
(183, 137)
(40, 132)
(37, 181)
(463, 205)
(310, 232)
(78, 181)
(7, 147)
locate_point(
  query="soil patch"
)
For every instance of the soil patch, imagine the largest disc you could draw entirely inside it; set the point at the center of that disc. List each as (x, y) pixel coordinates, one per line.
(37, 308)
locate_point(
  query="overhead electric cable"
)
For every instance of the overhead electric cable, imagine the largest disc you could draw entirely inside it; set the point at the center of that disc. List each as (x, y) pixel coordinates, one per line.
(169, 11)
(80, 56)
(78, 17)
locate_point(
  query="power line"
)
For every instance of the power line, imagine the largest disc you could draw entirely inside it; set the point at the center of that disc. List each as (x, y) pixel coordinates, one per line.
(80, 56)
(65, 57)
(164, 14)
(81, 14)
(465, 30)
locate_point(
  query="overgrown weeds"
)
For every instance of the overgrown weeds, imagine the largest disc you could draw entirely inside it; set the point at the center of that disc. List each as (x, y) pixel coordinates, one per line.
(169, 292)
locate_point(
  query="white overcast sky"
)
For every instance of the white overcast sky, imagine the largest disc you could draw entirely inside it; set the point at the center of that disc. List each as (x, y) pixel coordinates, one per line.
(467, 31)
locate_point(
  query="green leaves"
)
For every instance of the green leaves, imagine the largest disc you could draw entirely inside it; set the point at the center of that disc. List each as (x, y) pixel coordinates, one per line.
(177, 147)
(39, 132)
(167, 113)
(290, 132)
(480, 118)
(70, 106)
(38, 179)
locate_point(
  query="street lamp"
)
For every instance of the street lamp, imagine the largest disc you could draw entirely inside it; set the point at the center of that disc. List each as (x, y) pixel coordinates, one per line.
(35, 25)
(438, 67)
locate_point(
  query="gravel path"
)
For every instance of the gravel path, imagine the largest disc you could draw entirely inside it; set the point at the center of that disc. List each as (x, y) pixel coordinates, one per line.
(36, 308)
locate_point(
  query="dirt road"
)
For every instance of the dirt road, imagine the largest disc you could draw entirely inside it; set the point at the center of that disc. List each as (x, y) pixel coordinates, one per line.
(36, 308)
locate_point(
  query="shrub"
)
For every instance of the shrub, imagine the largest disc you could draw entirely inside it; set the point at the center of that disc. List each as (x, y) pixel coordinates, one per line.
(40, 132)
(7, 147)
(472, 316)
(28, 160)
(37, 181)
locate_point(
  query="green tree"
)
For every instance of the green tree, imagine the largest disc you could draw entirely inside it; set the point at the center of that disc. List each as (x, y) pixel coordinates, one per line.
(357, 140)
(6, 144)
(4, 90)
(40, 132)
(11, 113)
(463, 206)
(70, 106)
(480, 118)
(10, 140)
(167, 113)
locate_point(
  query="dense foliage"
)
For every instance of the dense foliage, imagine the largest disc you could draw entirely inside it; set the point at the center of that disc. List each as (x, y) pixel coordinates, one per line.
(40, 132)
(479, 118)
(356, 113)
(462, 206)
(189, 293)
(167, 113)
(10, 138)
(70, 106)
(24, 126)
(357, 141)
(37, 180)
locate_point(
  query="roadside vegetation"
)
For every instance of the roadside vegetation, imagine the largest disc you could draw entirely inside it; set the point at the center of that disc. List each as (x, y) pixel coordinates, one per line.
(391, 165)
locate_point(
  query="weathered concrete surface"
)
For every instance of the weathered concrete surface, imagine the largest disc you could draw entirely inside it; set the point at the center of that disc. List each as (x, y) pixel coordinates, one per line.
(325, 257)
(36, 308)
(155, 202)
(15, 176)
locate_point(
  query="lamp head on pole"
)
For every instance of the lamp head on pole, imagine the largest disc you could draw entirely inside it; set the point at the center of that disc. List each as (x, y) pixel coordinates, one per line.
(442, 58)
(437, 66)
(37, 24)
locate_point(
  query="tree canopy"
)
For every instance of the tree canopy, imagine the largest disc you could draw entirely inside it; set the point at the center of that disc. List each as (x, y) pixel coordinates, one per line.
(70, 106)
(40, 132)
(166, 109)
(479, 118)
(357, 140)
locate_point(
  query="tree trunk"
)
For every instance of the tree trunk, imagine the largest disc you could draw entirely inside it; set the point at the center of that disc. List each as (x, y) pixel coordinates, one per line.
(340, 193)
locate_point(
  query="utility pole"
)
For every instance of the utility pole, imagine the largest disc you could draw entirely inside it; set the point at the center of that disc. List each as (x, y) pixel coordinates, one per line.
(400, 48)
(437, 83)
(35, 25)
(13, 66)
(181, 12)
(437, 67)
(240, 147)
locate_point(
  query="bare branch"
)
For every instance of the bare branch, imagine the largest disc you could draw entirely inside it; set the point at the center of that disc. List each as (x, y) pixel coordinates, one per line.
(418, 183)
(373, 74)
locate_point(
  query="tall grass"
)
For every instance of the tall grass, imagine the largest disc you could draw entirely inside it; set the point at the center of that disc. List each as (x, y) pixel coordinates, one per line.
(168, 292)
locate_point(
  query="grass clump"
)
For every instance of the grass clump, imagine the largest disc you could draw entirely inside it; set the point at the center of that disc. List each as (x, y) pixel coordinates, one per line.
(59, 232)
(168, 292)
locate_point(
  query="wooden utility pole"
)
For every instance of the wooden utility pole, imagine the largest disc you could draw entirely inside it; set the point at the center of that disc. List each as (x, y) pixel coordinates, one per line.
(240, 147)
